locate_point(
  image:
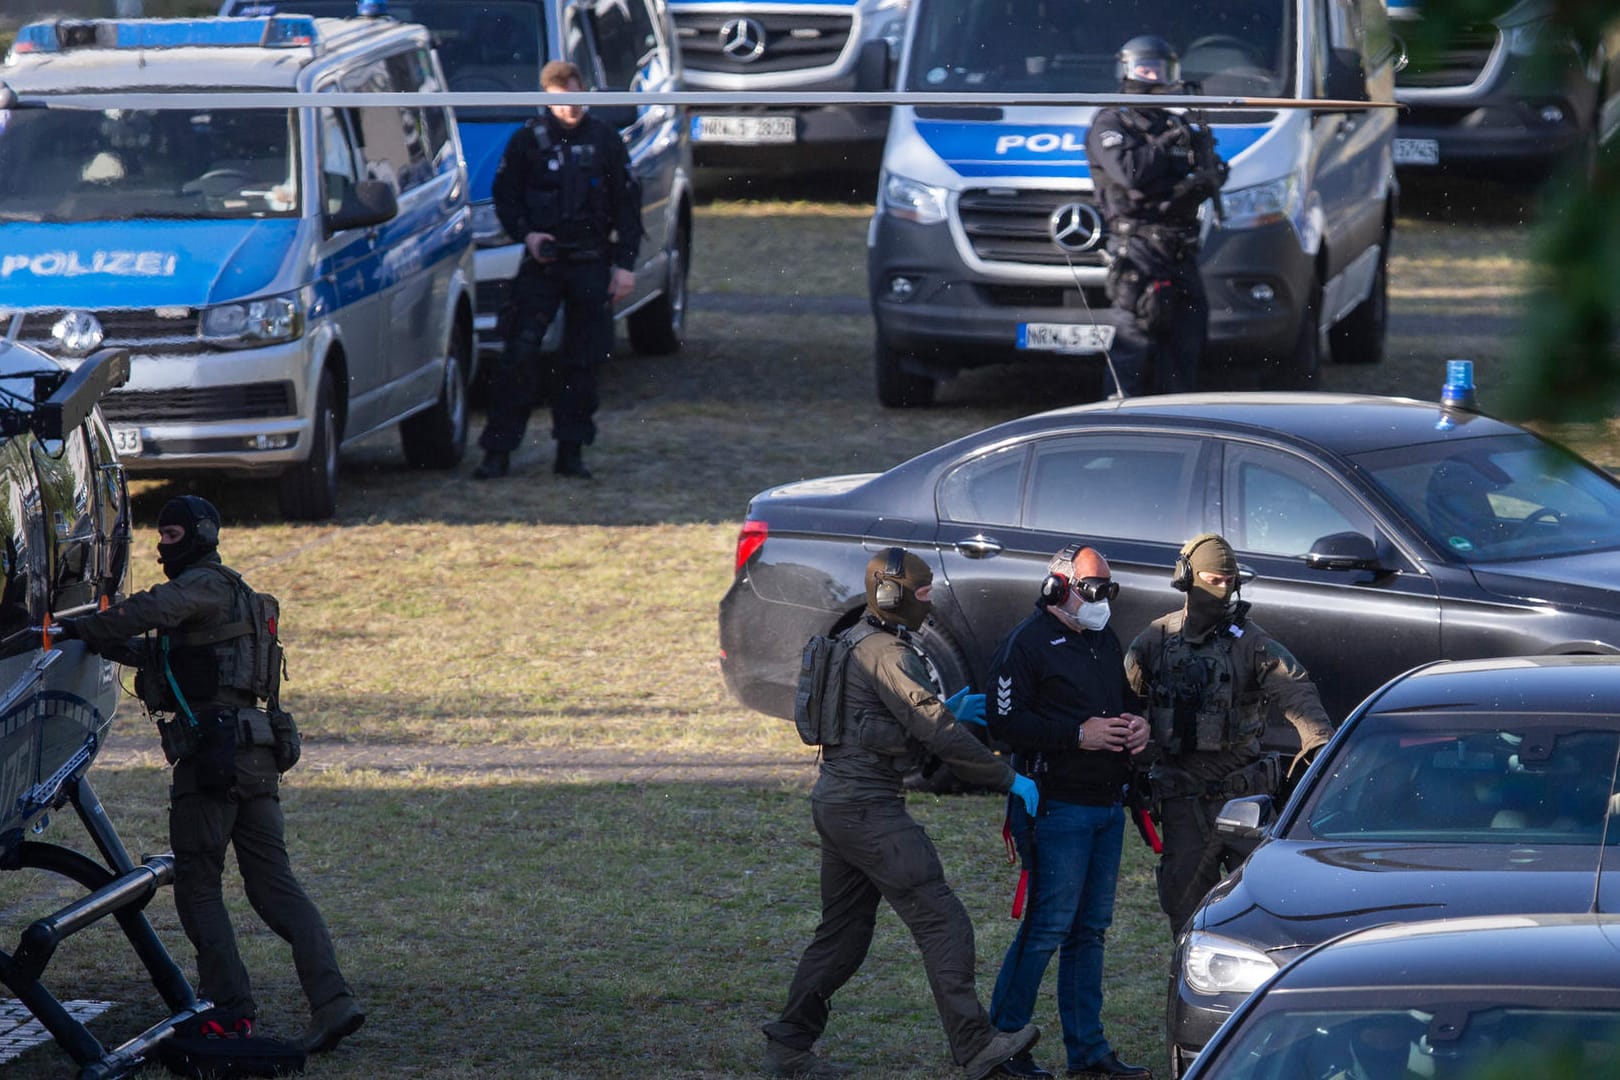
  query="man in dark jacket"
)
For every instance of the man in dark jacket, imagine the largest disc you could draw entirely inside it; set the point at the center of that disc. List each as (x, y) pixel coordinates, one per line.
(1060, 701)
(564, 190)
(225, 782)
(1207, 672)
(872, 850)
(1152, 170)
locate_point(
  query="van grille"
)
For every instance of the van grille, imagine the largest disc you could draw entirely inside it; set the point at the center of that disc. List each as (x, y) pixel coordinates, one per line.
(1014, 226)
(793, 41)
(1457, 64)
(251, 401)
(140, 330)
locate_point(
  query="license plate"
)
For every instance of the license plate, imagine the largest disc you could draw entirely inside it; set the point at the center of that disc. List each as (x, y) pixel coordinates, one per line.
(746, 130)
(1417, 152)
(126, 440)
(1065, 337)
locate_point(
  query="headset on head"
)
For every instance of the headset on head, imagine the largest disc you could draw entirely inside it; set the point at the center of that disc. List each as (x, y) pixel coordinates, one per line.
(207, 531)
(1182, 577)
(890, 591)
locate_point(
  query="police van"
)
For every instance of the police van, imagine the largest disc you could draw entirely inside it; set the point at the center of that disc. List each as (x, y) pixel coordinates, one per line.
(987, 244)
(287, 280)
(489, 46)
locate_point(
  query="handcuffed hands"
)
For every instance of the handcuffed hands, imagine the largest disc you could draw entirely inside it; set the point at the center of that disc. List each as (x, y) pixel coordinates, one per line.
(966, 707)
(1025, 789)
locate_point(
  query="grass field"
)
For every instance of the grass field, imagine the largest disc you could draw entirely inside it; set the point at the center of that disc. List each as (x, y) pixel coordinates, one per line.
(547, 841)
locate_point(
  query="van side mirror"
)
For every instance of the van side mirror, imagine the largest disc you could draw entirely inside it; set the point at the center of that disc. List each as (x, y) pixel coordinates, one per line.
(872, 68)
(617, 117)
(370, 202)
(1346, 79)
(1343, 551)
(1242, 822)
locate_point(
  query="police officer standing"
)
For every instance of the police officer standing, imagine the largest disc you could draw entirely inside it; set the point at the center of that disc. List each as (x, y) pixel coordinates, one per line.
(872, 850)
(1153, 169)
(1207, 673)
(565, 190)
(227, 764)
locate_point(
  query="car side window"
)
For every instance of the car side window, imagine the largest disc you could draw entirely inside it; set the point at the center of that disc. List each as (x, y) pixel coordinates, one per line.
(986, 489)
(1277, 504)
(1130, 486)
(390, 138)
(340, 166)
(625, 40)
(577, 44)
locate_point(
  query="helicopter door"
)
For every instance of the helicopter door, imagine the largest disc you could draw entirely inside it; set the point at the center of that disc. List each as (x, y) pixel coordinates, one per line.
(66, 482)
(110, 508)
(22, 558)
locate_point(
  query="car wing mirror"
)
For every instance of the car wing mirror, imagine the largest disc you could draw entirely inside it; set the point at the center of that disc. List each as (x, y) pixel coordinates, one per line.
(1242, 822)
(370, 202)
(1343, 551)
(872, 71)
(1345, 79)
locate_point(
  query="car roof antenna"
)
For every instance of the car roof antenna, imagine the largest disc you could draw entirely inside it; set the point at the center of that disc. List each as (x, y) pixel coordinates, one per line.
(1609, 810)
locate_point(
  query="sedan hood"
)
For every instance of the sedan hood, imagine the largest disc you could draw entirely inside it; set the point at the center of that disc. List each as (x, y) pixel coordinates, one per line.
(1583, 582)
(1295, 893)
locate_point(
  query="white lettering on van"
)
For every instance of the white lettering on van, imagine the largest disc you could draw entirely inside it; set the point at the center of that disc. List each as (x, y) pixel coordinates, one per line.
(1043, 142)
(77, 264)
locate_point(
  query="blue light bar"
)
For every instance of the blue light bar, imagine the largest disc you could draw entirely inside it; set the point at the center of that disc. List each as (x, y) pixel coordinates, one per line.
(61, 35)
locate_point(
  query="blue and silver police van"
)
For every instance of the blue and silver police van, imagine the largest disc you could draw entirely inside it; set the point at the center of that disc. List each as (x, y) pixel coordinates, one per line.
(286, 280)
(987, 245)
(490, 46)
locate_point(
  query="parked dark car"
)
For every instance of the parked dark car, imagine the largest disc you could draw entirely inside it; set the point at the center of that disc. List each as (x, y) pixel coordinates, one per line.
(1476, 787)
(1457, 999)
(1373, 534)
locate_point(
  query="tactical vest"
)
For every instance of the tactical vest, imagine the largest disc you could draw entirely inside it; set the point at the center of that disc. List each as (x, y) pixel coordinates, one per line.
(238, 661)
(567, 193)
(1194, 702)
(876, 730)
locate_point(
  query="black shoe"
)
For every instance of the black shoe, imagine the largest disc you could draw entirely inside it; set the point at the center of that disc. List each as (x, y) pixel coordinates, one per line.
(496, 464)
(1110, 1067)
(570, 461)
(1022, 1065)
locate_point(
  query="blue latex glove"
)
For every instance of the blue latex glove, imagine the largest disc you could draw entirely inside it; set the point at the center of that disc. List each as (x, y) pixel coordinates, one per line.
(1024, 788)
(968, 708)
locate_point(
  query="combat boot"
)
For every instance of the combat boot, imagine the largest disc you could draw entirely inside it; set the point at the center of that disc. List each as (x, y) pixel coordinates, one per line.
(1002, 1046)
(784, 1061)
(570, 461)
(496, 464)
(330, 1023)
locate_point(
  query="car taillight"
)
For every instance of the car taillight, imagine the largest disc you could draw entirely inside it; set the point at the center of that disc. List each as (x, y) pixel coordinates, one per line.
(749, 540)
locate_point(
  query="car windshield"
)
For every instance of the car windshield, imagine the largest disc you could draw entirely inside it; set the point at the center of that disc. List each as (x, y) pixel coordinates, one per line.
(115, 164)
(1458, 777)
(1397, 1044)
(1499, 498)
(482, 47)
(1057, 46)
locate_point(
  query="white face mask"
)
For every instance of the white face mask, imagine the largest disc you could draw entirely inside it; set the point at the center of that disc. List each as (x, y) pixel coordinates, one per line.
(1085, 617)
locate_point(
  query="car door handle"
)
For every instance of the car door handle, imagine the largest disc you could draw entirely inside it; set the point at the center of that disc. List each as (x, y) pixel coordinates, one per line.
(979, 547)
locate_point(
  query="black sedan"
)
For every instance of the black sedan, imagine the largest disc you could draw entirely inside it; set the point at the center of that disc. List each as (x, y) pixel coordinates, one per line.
(1459, 999)
(1474, 787)
(1373, 534)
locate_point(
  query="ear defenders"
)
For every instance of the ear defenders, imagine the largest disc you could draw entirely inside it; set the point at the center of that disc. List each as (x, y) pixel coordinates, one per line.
(1181, 578)
(207, 532)
(889, 592)
(1055, 586)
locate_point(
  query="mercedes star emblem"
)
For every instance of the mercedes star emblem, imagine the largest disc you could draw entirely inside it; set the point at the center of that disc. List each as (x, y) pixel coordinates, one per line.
(743, 40)
(1076, 227)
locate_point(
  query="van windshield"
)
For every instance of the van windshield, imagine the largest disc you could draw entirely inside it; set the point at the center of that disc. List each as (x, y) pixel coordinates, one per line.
(487, 47)
(116, 164)
(1058, 46)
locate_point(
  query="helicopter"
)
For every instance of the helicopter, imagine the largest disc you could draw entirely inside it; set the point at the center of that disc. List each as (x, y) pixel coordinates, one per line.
(64, 550)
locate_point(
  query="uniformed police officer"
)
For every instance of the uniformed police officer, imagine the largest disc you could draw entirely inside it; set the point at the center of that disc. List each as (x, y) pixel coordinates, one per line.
(1153, 169)
(1207, 673)
(226, 772)
(564, 189)
(872, 850)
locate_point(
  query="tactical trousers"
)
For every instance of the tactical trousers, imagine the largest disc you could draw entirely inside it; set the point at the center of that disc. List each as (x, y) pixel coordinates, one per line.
(872, 851)
(580, 291)
(1173, 348)
(201, 826)
(1193, 858)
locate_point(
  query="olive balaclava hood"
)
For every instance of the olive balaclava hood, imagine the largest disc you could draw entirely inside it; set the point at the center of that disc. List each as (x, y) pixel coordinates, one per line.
(200, 520)
(893, 577)
(1208, 605)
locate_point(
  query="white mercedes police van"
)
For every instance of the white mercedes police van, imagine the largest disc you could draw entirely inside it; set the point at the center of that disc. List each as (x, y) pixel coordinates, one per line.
(986, 244)
(287, 280)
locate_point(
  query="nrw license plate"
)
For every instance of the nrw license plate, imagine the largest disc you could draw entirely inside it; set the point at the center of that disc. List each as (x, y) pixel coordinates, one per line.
(743, 129)
(126, 440)
(1064, 337)
(1417, 152)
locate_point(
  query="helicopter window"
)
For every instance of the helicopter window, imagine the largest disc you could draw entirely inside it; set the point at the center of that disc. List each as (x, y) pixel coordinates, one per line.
(65, 479)
(22, 601)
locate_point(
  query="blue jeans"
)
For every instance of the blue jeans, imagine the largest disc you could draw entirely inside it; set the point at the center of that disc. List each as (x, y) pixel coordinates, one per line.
(1072, 855)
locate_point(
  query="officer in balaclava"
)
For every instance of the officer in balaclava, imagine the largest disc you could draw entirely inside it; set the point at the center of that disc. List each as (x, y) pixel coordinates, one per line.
(1205, 671)
(1153, 168)
(195, 675)
(892, 717)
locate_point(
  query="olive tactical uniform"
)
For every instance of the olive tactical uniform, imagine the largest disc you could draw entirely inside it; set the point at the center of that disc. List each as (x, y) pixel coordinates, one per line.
(1153, 169)
(1208, 692)
(225, 783)
(872, 850)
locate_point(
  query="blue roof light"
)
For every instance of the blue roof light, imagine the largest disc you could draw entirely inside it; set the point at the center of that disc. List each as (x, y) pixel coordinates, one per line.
(64, 34)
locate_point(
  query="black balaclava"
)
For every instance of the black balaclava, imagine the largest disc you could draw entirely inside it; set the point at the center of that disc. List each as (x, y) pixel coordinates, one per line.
(1208, 606)
(914, 574)
(200, 520)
